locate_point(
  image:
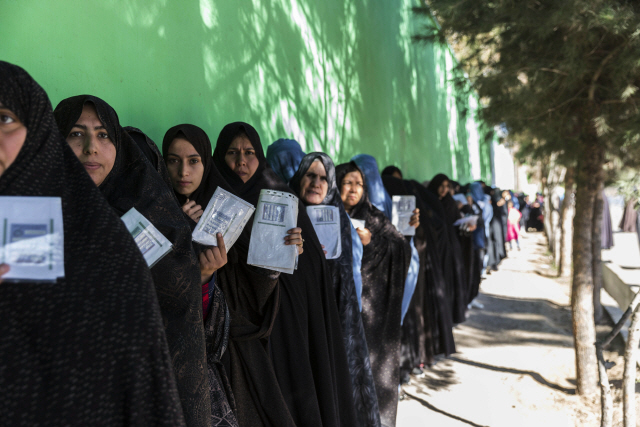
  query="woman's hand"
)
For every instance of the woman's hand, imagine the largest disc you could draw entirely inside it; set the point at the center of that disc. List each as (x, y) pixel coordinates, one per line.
(4, 269)
(212, 259)
(325, 252)
(365, 235)
(415, 218)
(193, 210)
(294, 237)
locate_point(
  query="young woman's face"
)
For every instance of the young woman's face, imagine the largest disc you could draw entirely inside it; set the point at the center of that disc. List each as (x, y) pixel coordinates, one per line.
(241, 158)
(443, 189)
(351, 189)
(314, 185)
(185, 167)
(13, 134)
(92, 145)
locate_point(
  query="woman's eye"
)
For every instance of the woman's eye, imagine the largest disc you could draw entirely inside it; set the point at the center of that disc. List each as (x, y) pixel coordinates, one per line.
(173, 161)
(103, 135)
(231, 153)
(194, 161)
(5, 119)
(75, 134)
(250, 153)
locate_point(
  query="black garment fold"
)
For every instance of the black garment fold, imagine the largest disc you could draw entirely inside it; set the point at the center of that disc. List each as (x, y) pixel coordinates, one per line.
(89, 349)
(134, 183)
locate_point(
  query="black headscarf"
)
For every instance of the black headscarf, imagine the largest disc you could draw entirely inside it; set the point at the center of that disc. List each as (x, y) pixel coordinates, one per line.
(385, 263)
(390, 170)
(90, 347)
(436, 182)
(150, 151)
(355, 342)
(134, 183)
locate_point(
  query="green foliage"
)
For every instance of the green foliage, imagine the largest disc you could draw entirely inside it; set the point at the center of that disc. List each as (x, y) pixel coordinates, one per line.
(550, 71)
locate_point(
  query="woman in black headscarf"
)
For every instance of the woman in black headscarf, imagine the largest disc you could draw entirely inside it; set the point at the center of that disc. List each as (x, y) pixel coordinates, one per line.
(453, 266)
(127, 180)
(251, 293)
(315, 184)
(89, 349)
(385, 262)
(496, 232)
(306, 342)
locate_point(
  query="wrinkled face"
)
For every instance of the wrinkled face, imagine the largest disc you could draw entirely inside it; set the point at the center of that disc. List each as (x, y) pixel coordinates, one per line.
(185, 167)
(241, 158)
(92, 145)
(351, 189)
(314, 185)
(443, 189)
(13, 134)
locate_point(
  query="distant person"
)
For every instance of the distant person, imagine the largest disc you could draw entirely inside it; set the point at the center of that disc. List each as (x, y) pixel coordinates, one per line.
(513, 225)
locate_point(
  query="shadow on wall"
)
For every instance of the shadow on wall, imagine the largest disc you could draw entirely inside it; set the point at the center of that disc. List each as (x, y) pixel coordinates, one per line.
(340, 76)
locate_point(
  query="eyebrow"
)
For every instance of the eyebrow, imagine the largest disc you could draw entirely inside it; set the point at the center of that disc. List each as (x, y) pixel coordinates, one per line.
(84, 127)
(189, 156)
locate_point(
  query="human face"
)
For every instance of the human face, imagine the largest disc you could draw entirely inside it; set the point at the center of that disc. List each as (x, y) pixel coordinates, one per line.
(443, 189)
(351, 190)
(185, 167)
(12, 136)
(92, 145)
(396, 174)
(241, 158)
(314, 185)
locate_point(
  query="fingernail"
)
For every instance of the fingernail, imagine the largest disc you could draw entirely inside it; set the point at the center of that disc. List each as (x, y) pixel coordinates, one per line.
(219, 234)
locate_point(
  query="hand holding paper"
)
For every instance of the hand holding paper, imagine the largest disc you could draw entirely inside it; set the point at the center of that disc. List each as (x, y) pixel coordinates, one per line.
(212, 259)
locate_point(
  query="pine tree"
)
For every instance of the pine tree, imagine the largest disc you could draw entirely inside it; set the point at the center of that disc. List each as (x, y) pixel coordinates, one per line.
(567, 73)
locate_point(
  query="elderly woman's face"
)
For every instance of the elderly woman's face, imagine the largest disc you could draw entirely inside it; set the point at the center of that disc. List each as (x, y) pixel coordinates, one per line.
(13, 134)
(351, 189)
(241, 158)
(92, 145)
(314, 185)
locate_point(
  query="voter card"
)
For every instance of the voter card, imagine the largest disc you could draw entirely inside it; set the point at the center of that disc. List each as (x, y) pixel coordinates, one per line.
(276, 213)
(326, 223)
(402, 210)
(32, 238)
(153, 245)
(226, 214)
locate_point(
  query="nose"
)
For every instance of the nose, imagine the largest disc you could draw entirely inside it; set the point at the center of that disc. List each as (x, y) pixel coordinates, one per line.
(241, 159)
(182, 171)
(90, 145)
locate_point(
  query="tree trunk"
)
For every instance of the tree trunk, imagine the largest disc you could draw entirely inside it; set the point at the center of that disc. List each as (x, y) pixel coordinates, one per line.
(590, 175)
(568, 210)
(596, 247)
(629, 379)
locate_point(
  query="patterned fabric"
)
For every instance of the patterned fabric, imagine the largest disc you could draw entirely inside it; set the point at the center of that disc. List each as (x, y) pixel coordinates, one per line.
(355, 342)
(134, 183)
(74, 354)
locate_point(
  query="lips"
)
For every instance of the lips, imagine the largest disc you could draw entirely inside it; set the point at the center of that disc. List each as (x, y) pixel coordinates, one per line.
(184, 183)
(91, 166)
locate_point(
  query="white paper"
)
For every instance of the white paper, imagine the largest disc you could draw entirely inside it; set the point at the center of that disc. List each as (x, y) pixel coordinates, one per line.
(153, 245)
(32, 238)
(403, 207)
(276, 213)
(326, 223)
(226, 214)
(358, 223)
(467, 221)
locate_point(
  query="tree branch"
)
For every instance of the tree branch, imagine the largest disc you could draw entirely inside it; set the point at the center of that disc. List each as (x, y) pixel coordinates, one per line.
(550, 110)
(596, 75)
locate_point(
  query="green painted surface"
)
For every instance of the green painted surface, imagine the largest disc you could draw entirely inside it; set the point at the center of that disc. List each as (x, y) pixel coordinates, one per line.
(340, 76)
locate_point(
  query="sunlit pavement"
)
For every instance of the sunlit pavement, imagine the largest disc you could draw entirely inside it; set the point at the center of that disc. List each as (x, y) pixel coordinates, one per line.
(515, 360)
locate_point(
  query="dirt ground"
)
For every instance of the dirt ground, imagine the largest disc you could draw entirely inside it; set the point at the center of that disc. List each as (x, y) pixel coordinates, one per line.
(515, 364)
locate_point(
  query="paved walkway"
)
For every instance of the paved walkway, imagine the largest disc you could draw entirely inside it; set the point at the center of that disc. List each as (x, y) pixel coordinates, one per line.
(515, 360)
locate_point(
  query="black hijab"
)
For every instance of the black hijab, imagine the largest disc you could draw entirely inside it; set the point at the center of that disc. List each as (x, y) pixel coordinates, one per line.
(91, 347)
(355, 342)
(134, 183)
(390, 170)
(150, 151)
(385, 263)
(436, 182)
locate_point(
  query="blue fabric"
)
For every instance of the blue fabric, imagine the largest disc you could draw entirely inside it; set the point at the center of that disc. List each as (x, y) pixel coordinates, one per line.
(378, 196)
(357, 248)
(514, 199)
(284, 157)
(411, 282)
(484, 202)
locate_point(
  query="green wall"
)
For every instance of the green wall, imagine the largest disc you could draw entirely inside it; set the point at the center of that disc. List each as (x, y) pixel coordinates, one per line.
(340, 76)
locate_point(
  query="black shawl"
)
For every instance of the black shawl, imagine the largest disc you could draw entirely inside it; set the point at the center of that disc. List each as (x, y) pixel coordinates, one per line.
(355, 342)
(252, 298)
(150, 151)
(89, 349)
(385, 263)
(134, 183)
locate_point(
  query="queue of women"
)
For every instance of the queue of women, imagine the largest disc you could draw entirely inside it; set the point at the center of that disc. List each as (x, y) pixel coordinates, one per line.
(202, 338)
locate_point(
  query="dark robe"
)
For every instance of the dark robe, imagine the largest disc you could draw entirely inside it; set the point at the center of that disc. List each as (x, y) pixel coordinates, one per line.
(218, 321)
(607, 228)
(344, 290)
(497, 232)
(252, 295)
(89, 349)
(134, 183)
(629, 217)
(385, 263)
(150, 151)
